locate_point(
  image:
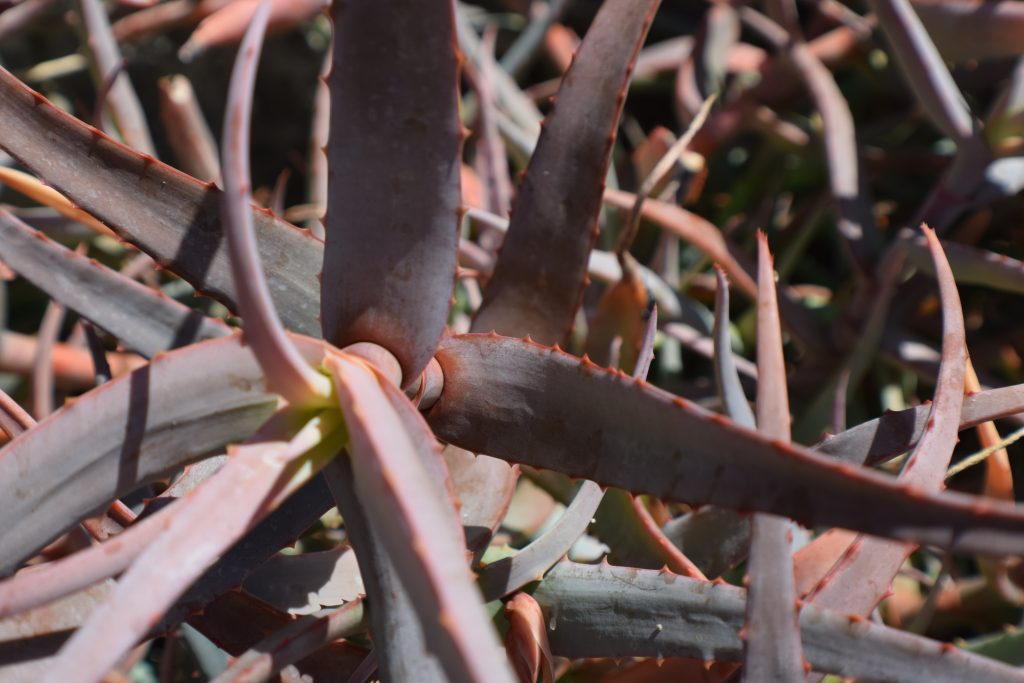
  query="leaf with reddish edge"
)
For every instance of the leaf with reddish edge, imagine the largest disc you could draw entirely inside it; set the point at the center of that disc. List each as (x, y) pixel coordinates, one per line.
(622, 521)
(254, 481)
(287, 371)
(53, 580)
(895, 433)
(389, 259)
(971, 265)
(527, 640)
(169, 215)
(864, 570)
(605, 611)
(484, 487)
(494, 386)
(402, 653)
(132, 430)
(771, 648)
(143, 319)
(539, 276)
(33, 638)
(415, 523)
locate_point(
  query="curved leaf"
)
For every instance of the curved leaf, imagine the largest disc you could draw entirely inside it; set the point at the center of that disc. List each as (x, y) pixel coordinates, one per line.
(541, 269)
(895, 433)
(392, 225)
(535, 405)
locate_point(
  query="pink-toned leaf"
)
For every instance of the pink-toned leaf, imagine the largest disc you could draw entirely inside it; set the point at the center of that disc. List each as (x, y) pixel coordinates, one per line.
(168, 214)
(187, 131)
(393, 207)
(896, 433)
(864, 570)
(404, 654)
(183, 405)
(527, 640)
(227, 25)
(286, 370)
(964, 30)
(772, 650)
(924, 70)
(495, 386)
(539, 276)
(416, 523)
(144, 320)
(251, 484)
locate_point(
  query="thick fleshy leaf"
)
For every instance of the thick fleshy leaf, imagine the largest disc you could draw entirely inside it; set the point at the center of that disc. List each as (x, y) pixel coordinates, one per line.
(306, 583)
(624, 612)
(864, 571)
(254, 481)
(142, 319)
(183, 405)
(392, 226)
(509, 574)
(29, 642)
(541, 270)
(404, 653)
(169, 215)
(771, 649)
(895, 433)
(415, 522)
(676, 451)
(236, 622)
(856, 221)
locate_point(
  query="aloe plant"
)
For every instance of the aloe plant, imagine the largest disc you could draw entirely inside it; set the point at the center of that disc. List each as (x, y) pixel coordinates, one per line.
(412, 389)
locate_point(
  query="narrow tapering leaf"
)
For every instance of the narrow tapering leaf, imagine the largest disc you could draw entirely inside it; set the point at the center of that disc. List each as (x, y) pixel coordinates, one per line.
(674, 450)
(539, 277)
(416, 523)
(144, 320)
(772, 650)
(924, 70)
(864, 570)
